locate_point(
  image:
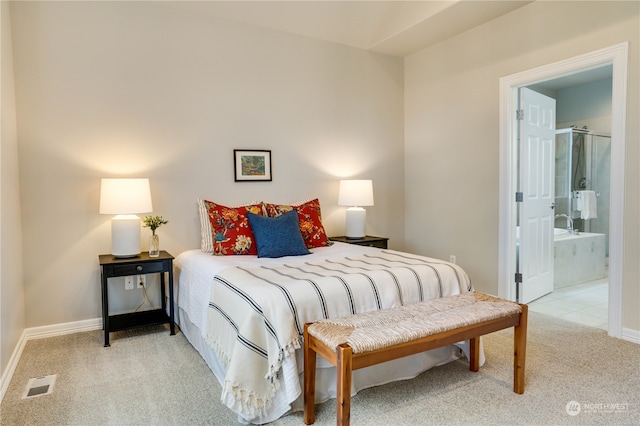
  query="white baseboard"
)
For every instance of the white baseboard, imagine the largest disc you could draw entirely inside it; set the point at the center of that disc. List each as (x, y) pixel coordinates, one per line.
(64, 328)
(630, 335)
(40, 333)
(7, 374)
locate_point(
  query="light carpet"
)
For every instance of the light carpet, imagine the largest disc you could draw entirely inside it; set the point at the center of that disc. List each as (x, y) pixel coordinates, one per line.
(575, 375)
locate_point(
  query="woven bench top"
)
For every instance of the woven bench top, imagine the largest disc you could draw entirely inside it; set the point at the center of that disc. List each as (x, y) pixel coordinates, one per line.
(380, 329)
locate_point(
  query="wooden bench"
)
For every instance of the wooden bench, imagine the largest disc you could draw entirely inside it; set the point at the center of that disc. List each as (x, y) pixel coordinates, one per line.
(371, 338)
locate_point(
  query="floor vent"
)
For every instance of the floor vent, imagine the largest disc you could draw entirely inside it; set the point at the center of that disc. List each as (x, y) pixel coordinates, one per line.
(39, 386)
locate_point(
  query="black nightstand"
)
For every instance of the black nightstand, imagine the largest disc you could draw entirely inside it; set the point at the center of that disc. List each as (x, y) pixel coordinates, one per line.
(367, 240)
(111, 267)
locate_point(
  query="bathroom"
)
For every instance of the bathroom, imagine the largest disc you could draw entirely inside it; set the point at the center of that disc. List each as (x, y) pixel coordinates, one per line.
(582, 188)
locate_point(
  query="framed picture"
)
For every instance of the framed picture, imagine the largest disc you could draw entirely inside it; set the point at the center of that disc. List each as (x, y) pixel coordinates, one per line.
(252, 165)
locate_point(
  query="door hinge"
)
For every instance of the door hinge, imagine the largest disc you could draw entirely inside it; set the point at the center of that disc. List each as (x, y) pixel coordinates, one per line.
(519, 114)
(519, 197)
(518, 278)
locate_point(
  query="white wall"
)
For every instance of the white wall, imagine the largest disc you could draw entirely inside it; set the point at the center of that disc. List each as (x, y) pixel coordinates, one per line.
(12, 313)
(452, 130)
(139, 89)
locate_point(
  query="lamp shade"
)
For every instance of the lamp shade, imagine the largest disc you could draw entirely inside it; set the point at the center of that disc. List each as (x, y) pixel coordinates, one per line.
(355, 192)
(125, 196)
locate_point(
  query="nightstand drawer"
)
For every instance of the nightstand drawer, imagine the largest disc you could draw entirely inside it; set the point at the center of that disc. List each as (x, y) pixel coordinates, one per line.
(380, 244)
(138, 268)
(368, 240)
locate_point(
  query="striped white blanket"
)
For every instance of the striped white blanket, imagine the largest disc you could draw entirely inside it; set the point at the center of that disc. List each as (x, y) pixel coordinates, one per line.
(257, 314)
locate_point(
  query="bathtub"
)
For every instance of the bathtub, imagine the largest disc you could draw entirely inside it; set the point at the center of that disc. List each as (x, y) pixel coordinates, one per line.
(578, 258)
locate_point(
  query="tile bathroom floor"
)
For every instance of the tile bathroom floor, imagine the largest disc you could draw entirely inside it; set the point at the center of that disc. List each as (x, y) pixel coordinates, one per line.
(585, 303)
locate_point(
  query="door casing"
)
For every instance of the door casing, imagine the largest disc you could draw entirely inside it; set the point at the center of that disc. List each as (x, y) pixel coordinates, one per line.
(617, 57)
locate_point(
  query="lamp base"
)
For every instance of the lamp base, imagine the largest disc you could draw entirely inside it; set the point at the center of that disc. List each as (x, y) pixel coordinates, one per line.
(355, 221)
(125, 236)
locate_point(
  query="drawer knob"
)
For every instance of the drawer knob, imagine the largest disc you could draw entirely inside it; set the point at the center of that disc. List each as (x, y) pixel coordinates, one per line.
(139, 268)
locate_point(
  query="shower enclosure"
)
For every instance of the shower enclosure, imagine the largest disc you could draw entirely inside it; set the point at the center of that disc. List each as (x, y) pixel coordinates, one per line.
(583, 162)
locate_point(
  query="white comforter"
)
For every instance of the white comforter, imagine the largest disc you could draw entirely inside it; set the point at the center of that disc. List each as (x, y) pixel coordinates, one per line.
(251, 311)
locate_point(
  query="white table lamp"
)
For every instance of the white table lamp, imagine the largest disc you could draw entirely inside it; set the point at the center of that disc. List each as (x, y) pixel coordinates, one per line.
(356, 194)
(125, 198)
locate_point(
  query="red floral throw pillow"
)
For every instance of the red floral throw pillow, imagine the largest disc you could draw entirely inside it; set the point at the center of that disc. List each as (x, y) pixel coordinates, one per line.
(309, 218)
(230, 229)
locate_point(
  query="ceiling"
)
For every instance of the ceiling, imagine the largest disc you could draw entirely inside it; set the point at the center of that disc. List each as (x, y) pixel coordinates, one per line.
(397, 28)
(392, 27)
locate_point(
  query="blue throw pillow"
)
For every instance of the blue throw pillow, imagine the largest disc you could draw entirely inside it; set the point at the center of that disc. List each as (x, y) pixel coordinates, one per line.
(278, 236)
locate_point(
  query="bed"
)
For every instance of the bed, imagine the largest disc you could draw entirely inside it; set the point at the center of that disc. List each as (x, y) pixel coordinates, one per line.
(245, 316)
(264, 270)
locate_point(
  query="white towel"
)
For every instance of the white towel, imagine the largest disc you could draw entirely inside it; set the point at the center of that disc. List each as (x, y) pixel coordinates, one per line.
(587, 204)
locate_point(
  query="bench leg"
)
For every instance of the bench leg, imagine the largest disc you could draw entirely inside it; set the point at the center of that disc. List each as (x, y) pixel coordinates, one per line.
(519, 351)
(309, 380)
(343, 387)
(474, 353)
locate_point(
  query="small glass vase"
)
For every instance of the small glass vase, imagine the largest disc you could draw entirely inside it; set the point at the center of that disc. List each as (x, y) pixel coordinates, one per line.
(154, 246)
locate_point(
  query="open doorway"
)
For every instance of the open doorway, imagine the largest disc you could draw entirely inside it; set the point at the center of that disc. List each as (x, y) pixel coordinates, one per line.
(616, 57)
(581, 203)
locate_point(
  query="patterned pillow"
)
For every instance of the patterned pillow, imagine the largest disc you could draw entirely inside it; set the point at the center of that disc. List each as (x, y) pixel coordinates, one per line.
(309, 218)
(230, 230)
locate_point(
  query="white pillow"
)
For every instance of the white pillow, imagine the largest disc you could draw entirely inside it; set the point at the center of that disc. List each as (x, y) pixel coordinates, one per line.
(206, 239)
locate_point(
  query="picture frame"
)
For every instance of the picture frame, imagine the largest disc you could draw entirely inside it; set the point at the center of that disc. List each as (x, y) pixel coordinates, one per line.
(252, 165)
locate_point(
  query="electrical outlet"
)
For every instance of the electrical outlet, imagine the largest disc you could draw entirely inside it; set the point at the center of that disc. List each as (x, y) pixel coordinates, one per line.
(452, 258)
(141, 281)
(128, 283)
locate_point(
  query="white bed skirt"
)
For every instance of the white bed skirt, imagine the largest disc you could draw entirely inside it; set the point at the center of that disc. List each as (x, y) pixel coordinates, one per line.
(289, 397)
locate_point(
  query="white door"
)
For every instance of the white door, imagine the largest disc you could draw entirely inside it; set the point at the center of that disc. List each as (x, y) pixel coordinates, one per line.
(537, 185)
